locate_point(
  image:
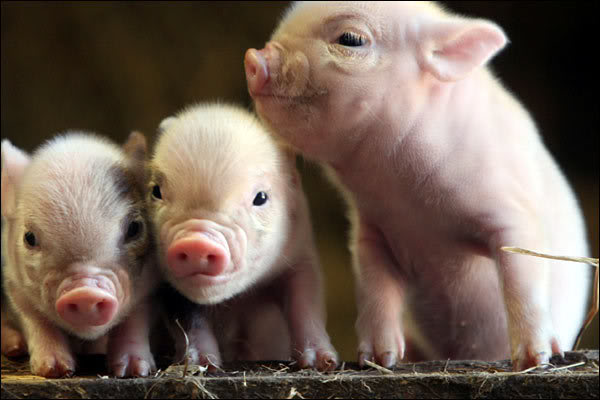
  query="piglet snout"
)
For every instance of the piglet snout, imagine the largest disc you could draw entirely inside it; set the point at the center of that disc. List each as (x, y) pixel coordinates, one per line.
(197, 254)
(87, 306)
(257, 70)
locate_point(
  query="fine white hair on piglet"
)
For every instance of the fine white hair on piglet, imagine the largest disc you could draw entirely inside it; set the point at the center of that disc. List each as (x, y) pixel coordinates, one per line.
(78, 252)
(225, 156)
(198, 141)
(93, 186)
(233, 233)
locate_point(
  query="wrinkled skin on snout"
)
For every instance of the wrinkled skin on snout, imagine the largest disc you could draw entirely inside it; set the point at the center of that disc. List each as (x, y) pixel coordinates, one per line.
(441, 167)
(77, 250)
(233, 230)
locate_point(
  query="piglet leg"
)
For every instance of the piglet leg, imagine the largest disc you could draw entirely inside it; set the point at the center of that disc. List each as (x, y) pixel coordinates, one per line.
(525, 284)
(128, 351)
(380, 298)
(306, 316)
(201, 347)
(13, 342)
(49, 352)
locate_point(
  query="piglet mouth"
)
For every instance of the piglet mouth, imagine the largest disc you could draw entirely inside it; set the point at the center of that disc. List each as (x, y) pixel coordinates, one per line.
(198, 280)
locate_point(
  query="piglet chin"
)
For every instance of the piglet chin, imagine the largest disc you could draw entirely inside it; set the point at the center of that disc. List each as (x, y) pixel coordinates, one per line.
(203, 290)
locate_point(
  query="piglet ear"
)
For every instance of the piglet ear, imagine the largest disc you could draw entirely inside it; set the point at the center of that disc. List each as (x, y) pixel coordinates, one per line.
(165, 123)
(14, 162)
(136, 146)
(451, 49)
(136, 149)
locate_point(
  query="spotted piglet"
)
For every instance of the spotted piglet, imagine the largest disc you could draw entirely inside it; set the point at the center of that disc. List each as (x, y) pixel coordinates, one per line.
(78, 254)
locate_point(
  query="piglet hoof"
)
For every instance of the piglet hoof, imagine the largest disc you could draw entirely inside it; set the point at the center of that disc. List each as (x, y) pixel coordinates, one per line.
(13, 343)
(210, 361)
(321, 359)
(529, 355)
(326, 360)
(387, 359)
(52, 364)
(363, 356)
(134, 364)
(389, 351)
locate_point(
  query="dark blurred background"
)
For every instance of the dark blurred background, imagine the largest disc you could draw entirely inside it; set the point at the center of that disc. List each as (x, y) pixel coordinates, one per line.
(115, 67)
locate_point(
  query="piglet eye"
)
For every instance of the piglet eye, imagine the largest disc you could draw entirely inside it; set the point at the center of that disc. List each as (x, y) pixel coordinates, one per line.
(260, 199)
(30, 239)
(351, 39)
(133, 230)
(156, 192)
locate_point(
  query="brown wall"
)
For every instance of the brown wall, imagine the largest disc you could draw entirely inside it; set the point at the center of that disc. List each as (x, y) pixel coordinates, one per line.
(115, 67)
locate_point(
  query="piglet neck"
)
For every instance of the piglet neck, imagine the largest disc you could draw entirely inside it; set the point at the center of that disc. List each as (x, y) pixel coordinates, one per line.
(405, 146)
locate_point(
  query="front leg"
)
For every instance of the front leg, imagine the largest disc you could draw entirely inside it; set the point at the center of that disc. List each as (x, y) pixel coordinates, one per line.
(49, 349)
(128, 351)
(305, 311)
(380, 298)
(201, 347)
(525, 285)
(13, 342)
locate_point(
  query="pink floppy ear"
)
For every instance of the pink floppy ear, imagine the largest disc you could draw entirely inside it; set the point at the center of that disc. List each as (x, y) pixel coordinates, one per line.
(14, 162)
(451, 49)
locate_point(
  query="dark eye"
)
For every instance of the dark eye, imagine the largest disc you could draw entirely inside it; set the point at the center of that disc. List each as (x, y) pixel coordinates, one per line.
(351, 39)
(133, 230)
(30, 239)
(156, 192)
(260, 199)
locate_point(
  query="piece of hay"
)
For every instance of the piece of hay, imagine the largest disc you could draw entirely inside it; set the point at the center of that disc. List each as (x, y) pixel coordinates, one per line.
(518, 250)
(187, 347)
(379, 368)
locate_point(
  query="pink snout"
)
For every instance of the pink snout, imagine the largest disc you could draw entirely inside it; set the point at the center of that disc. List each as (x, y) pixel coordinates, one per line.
(257, 70)
(197, 254)
(87, 306)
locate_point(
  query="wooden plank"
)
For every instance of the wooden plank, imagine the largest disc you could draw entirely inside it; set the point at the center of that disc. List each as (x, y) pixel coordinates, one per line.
(575, 376)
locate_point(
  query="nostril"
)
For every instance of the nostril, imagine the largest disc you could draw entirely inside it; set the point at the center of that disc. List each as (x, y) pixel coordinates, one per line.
(197, 254)
(87, 306)
(100, 306)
